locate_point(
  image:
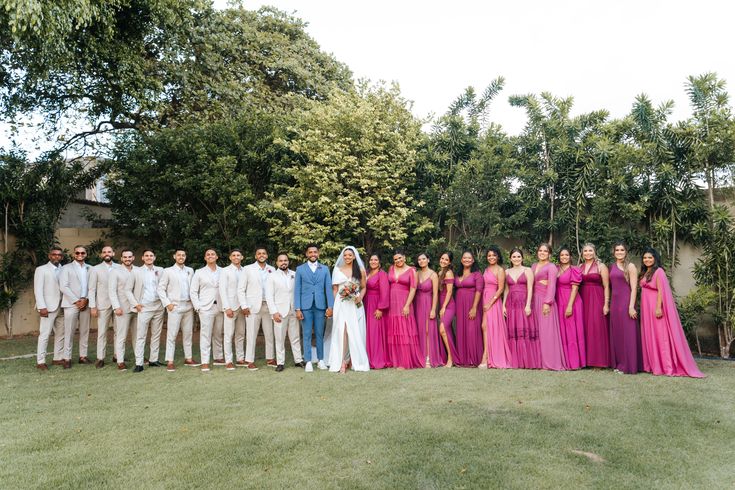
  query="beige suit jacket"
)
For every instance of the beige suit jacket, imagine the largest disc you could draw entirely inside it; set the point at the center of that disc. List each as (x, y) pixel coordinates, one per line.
(204, 290)
(46, 287)
(134, 289)
(279, 292)
(117, 279)
(228, 281)
(99, 281)
(169, 287)
(249, 289)
(70, 285)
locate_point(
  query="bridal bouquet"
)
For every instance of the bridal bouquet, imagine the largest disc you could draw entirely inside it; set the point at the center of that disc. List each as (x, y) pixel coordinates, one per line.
(350, 291)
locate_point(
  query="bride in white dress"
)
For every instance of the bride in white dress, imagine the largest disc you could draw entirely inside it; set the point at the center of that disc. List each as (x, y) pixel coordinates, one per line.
(347, 344)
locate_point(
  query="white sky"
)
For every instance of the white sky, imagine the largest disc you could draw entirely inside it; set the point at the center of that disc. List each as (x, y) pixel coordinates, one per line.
(602, 53)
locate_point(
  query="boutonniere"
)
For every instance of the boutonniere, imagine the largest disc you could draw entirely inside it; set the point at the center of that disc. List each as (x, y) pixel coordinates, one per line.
(269, 271)
(155, 272)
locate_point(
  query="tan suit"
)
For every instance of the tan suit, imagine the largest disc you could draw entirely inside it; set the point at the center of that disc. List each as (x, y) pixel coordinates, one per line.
(99, 297)
(234, 326)
(72, 290)
(250, 294)
(152, 312)
(117, 279)
(205, 299)
(173, 289)
(48, 296)
(279, 296)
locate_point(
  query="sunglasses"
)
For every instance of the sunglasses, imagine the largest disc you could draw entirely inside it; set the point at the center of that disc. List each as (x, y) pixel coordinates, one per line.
(80, 253)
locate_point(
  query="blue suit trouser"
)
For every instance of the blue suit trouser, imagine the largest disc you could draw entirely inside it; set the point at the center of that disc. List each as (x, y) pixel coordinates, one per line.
(313, 321)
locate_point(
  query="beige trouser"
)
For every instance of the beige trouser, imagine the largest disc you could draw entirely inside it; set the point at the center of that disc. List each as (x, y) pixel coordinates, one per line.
(253, 322)
(182, 317)
(218, 336)
(53, 322)
(155, 319)
(122, 324)
(103, 321)
(290, 326)
(73, 318)
(234, 326)
(209, 321)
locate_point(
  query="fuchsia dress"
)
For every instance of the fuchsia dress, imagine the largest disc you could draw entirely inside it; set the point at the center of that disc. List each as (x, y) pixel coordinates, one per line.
(447, 320)
(596, 331)
(665, 348)
(428, 328)
(469, 332)
(522, 330)
(571, 328)
(625, 337)
(403, 342)
(498, 349)
(377, 297)
(552, 351)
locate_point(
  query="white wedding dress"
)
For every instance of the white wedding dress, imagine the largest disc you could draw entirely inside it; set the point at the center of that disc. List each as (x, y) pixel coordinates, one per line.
(347, 315)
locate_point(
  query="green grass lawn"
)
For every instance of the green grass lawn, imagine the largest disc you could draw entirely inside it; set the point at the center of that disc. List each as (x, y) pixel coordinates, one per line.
(439, 428)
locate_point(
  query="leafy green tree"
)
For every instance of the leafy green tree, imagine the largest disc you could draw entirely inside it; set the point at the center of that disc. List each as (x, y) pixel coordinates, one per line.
(354, 157)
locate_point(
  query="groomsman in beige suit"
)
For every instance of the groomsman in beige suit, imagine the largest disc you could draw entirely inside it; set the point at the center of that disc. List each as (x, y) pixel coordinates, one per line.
(234, 322)
(48, 303)
(279, 296)
(142, 292)
(173, 289)
(74, 285)
(205, 299)
(118, 278)
(251, 295)
(99, 301)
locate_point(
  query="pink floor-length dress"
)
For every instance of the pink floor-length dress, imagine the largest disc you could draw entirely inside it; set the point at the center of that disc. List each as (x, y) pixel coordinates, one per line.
(522, 330)
(447, 320)
(428, 328)
(403, 342)
(498, 349)
(625, 336)
(377, 297)
(571, 327)
(596, 330)
(665, 348)
(469, 332)
(552, 351)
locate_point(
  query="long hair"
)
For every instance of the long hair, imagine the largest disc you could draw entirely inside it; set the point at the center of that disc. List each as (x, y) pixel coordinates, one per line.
(595, 258)
(626, 260)
(425, 255)
(460, 267)
(548, 248)
(648, 272)
(514, 250)
(443, 270)
(566, 249)
(377, 255)
(496, 250)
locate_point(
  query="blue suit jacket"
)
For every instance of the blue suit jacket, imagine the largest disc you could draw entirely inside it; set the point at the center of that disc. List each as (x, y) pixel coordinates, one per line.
(313, 288)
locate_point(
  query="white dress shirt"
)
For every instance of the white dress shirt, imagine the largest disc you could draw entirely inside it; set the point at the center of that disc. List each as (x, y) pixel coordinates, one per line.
(149, 285)
(81, 271)
(313, 265)
(183, 277)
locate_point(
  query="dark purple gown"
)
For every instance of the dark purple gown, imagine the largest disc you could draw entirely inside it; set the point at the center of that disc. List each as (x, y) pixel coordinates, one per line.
(625, 336)
(596, 331)
(469, 332)
(447, 320)
(377, 297)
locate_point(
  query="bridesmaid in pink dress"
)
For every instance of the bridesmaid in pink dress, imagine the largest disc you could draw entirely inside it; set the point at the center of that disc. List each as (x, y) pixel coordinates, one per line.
(569, 307)
(377, 298)
(468, 283)
(522, 331)
(665, 348)
(427, 297)
(446, 308)
(495, 333)
(595, 292)
(544, 311)
(404, 351)
(625, 336)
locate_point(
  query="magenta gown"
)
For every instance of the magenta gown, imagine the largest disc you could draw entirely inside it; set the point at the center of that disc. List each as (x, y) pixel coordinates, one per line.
(447, 320)
(625, 337)
(403, 343)
(665, 348)
(571, 328)
(552, 350)
(469, 332)
(377, 297)
(498, 349)
(596, 331)
(522, 330)
(427, 326)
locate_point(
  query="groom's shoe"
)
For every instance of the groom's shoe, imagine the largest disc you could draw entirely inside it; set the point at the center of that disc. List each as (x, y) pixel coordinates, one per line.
(279, 368)
(301, 364)
(322, 365)
(309, 367)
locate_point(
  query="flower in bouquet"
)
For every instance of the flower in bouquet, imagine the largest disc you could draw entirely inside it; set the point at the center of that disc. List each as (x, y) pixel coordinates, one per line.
(349, 291)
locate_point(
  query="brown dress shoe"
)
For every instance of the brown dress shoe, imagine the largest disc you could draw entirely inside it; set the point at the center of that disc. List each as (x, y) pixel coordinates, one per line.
(230, 366)
(67, 363)
(84, 360)
(205, 368)
(218, 362)
(271, 363)
(191, 363)
(121, 366)
(99, 364)
(170, 367)
(42, 367)
(58, 362)
(242, 363)
(252, 366)
(114, 360)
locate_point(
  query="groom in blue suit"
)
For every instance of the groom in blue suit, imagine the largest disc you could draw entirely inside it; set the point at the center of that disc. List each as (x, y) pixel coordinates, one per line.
(313, 302)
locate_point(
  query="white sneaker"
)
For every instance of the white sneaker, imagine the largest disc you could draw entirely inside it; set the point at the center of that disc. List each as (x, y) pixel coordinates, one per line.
(322, 365)
(309, 368)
